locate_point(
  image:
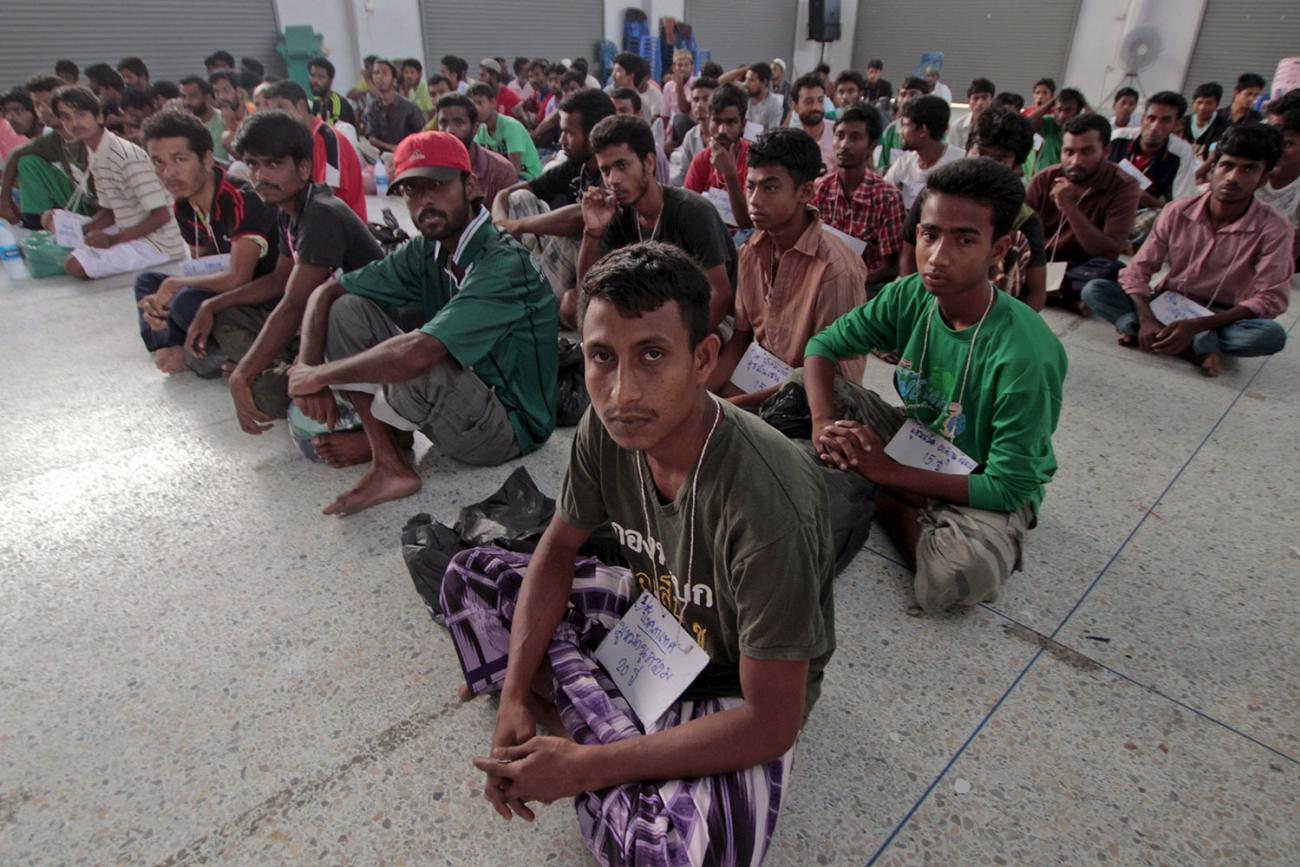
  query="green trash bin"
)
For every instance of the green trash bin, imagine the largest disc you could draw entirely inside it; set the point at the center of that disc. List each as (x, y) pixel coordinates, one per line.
(297, 45)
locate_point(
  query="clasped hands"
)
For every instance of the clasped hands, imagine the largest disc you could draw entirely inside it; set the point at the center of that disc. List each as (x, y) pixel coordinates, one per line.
(850, 446)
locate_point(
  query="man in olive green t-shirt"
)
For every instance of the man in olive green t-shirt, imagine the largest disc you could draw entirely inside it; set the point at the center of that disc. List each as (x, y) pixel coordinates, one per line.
(478, 378)
(981, 377)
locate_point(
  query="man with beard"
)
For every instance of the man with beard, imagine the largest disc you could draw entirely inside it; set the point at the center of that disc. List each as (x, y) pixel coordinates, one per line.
(334, 162)
(857, 201)
(50, 171)
(632, 206)
(1226, 251)
(22, 120)
(318, 234)
(795, 278)
(723, 164)
(543, 213)
(810, 105)
(1087, 203)
(225, 223)
(478, 378)
(457, 114)
(196, 92)
(328, 105)
(1153, 149)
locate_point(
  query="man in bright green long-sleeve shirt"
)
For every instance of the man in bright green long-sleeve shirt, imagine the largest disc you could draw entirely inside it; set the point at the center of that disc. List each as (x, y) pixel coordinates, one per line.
(978, 370)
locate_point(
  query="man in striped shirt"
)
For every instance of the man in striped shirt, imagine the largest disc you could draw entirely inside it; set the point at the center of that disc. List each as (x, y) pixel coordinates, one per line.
(134, 229)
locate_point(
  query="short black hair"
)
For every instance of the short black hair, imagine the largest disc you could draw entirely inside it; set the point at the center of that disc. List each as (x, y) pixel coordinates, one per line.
(224, 75)
(1170, 99)
(1245, 81)
(728, 95)
(627, 93)
(67, 67)
(105, 76)
(219, 57)
(457, 66)
(1288, 101)
(134, 97)
(1049, 83)
(1070, 94)
(415, 64)
(76, 97)
(369, 59)
(852, 76)
(807, 82)
(1006, 129)
(931, 112)
(133, 65)
(21, 97)
(1007, 99)
(539, 63)
(164, 90)
(1291, 120)
(392, 67)
(623, 130)
(915, 82)
(178, 124)
(574, 76)
(590, 105)
(198, 81)
(822, 69)
(642, 278)
(520, 62)
(580, 64)
(458, 100)
(1123, 92)
(635, 64)
(556, 69)
(1084, 123)
(985, 182)
(711, 69)
(1253, 141)
(793, 149)
(322, 63)
(276, 134)
(287, 89)
(43, 84)
(864, 113)
(482, 89)
(762, 70)
(706, 83)
(438, 78)
(876, 63)
(981, 85)
(252, 64)
(1210, 89)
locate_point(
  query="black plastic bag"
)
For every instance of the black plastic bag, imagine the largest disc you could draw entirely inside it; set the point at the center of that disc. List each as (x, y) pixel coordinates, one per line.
(788, 412)
(571, 398)
(389, 233)
(427, 548)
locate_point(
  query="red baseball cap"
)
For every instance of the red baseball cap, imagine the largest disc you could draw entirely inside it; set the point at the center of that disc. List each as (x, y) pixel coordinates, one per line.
(437, 155)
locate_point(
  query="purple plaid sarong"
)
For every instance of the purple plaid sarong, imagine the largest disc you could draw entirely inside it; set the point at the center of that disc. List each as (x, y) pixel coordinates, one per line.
(726, 819)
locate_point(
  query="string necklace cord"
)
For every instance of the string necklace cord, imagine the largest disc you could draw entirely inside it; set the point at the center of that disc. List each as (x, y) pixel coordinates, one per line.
(636, 218)
(970, 352)
(690, 532)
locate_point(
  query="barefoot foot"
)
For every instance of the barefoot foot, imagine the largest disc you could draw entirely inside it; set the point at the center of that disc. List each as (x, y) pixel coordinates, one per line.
(343, 449)
(378, 485)
(1127, 340)
(170, 359)
(1211, 364)
(463, 693)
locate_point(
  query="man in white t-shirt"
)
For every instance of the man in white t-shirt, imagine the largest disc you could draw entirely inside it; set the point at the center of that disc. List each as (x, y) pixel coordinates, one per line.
(937, 87)
(1282, 189)
(923, 123)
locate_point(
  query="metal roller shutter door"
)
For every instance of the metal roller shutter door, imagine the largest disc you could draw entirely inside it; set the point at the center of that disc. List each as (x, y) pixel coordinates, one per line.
(1010, 42)
(745, 32)
(171, 36)
(510, 28)
(1239, 37)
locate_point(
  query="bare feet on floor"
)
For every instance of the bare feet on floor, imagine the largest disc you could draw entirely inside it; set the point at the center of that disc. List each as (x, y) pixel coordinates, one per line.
(1211, 363)
(379, 485)
(342, 449)
(1128, 340)
(170, 359)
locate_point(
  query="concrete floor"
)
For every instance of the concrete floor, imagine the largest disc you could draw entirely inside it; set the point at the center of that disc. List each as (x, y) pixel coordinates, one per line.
(196, 666)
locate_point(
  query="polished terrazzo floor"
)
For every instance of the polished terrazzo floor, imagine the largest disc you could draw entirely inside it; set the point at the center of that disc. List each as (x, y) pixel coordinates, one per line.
(196, 666)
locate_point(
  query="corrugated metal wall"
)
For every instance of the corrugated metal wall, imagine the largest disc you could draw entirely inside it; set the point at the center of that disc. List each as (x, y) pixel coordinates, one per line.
(171, 36)
(747, 31)
(1012, 43)
(474, 29)
(1239, 36)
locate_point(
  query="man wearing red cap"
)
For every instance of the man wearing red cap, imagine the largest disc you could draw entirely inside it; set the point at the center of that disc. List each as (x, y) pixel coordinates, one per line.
(478, 378)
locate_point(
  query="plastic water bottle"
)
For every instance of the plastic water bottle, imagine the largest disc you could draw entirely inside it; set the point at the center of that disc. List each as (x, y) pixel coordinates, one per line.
(15, 267)
(381, 178)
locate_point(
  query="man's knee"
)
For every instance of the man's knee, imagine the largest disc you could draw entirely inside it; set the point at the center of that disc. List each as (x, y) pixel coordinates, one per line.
(349, 332)
(1105, 296)
(146, 283)
(524, 203)
(1256, 337)
(954, 567)
(73, 268)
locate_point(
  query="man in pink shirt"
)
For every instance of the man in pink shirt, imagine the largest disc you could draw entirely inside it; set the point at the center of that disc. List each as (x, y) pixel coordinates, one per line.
(1227, 251)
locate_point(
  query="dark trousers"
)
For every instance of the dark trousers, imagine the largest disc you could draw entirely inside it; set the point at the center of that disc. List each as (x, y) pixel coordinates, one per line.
(185, 305)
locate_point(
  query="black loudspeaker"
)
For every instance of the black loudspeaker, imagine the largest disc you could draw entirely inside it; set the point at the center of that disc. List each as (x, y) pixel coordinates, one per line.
(823, 20)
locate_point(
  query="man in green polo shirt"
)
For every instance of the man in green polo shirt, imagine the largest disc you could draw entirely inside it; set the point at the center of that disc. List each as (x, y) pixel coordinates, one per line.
(478, 378)
(504, 135)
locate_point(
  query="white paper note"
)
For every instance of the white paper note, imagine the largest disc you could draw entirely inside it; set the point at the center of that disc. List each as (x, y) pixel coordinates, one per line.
(753, 129)
(759, 369)
(915, 445)
(214, 264)
(1056, 275)
(68, 231)
(855, 244)
(651, 658)
(1135, 173)
(721, 200)
(1171, 307)
(1038, 142)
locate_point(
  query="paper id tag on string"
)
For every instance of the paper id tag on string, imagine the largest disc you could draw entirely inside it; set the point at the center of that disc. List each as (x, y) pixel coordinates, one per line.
(1135, 173)
(68, 229)
(915, 445)
(753, 129)
(213, 264)
(1171, 307)
(1056, 275)
(650, 658)
(759, 369)
(721, 200)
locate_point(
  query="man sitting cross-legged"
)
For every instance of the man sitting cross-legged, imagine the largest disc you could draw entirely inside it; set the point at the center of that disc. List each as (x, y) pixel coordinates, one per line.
(478, 378)
(1227, 251)
(634, 207)
(257, 323)
(795, 277)
(980, 374)
(724, 523)
(232, 234)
